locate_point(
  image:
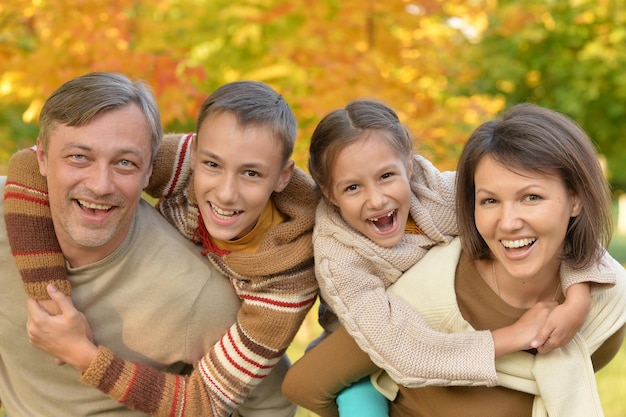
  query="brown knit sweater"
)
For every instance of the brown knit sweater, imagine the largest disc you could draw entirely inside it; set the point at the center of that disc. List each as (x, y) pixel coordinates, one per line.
(276, 285)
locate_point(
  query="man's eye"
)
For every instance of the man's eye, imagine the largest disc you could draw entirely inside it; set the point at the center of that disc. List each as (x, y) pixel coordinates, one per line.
(252, 173)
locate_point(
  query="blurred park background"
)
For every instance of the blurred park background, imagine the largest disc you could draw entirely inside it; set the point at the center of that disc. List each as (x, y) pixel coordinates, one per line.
(444, 66)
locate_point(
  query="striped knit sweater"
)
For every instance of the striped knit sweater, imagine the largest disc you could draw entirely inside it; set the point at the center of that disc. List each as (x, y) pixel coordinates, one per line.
(276, 285)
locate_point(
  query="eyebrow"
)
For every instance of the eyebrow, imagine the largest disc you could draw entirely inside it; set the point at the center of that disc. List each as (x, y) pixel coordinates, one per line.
(249, 165)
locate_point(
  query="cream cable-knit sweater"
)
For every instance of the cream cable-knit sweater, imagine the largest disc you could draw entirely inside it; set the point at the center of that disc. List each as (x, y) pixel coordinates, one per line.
(563, 380)
(353, 274)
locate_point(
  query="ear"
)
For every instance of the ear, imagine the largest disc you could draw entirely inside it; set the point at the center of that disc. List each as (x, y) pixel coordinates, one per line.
(577, 206)
(328, 195)
(409, 168)
(285, 176)
(146, 180)
(193, 146)
(41, 159)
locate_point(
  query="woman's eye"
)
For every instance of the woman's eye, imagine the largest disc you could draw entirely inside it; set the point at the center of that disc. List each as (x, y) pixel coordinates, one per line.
(532, 197)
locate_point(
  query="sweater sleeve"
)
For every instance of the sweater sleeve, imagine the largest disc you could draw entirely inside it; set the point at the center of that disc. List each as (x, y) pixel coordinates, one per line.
(395, 336)
(277, 288)
(271, 313)
(30, 229)
(600, 272)
(172, 166)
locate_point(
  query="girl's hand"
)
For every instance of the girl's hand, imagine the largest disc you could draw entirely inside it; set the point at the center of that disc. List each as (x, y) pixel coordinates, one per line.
(520, 334)
(565, 321)
(66, 336)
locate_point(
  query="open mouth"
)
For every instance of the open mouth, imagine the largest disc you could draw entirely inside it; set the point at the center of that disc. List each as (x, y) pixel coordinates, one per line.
(224, 214)
(92, 207)
(384, 223)
(518, 243)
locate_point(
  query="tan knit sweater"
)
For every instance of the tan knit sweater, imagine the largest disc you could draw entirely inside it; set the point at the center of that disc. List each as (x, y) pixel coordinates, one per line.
(276, 285)
(353, 274)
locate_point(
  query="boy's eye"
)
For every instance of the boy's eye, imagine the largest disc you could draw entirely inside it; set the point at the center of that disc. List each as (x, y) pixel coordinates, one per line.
(210, 164)
(386, 175)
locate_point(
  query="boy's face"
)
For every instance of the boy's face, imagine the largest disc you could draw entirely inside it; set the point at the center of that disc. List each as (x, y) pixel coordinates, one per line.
(370, 186)
(95, 176)
(236, 170)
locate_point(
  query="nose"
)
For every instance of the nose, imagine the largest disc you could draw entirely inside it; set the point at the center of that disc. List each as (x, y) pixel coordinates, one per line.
(101, 179)
(376, 199)
(227, 189)
(510, 219)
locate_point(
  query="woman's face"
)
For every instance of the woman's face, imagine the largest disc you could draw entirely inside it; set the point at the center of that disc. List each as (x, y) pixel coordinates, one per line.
(523, 217)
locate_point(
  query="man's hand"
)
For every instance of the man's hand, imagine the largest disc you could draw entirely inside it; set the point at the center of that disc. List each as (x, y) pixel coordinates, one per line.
(65, 336)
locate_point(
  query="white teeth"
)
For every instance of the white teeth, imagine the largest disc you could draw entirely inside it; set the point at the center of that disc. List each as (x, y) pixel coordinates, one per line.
(375, 219)
(512, 244)
(94, 206)
(221, 212)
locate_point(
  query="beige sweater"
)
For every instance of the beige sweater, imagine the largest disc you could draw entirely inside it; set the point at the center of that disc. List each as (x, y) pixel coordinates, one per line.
(563, 381)
(353, 274)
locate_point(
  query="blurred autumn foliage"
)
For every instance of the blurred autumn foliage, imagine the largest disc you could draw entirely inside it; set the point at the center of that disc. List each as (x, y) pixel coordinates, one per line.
(445, 66)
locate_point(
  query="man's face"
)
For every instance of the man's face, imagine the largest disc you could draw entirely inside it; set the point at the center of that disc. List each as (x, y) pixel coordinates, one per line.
(95, 176)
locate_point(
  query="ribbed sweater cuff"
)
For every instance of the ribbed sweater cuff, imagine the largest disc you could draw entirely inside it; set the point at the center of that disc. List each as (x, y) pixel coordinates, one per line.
(98, 367)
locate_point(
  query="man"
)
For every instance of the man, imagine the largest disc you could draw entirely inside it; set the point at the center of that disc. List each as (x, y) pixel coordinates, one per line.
(146, 291)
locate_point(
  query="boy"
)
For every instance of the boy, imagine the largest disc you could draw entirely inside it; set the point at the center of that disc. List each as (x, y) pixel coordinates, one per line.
(253, 212)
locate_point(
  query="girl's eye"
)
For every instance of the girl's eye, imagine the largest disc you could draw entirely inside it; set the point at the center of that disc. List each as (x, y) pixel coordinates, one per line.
(386, 175)
(352, 187)
(210, 164)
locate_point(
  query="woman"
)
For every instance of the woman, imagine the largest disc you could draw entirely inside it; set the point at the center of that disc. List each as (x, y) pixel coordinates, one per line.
(533, 207)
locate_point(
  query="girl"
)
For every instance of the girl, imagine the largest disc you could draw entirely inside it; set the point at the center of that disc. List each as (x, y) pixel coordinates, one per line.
(384, 208)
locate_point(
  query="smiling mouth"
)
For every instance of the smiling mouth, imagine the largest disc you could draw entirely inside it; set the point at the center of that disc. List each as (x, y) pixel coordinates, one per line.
(93, 206)
(224, 214)
(384, 223)
(518, 243)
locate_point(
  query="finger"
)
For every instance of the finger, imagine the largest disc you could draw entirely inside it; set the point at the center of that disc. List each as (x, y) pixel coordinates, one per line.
(59, 362)
(542, 337)
(63, 301)
(548, 346)
(36, 314)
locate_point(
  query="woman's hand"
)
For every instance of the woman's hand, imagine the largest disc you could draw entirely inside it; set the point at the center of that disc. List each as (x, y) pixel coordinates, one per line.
(66, 336)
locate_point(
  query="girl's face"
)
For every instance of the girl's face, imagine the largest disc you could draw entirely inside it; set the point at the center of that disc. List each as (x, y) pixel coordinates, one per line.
(523, 217)
(370, 186)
